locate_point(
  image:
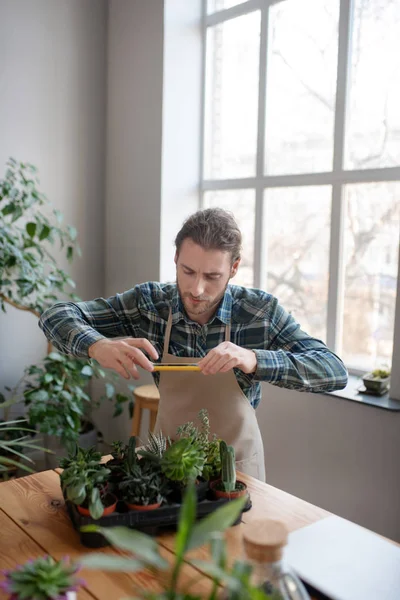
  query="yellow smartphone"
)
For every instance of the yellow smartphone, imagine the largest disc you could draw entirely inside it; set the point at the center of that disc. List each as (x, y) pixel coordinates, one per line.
(176, 367)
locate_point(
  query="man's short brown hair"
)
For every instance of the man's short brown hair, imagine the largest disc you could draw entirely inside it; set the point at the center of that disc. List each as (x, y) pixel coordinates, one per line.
(212, 229)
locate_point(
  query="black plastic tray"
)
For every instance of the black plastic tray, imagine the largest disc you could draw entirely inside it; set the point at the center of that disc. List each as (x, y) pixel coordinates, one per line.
(152, 522)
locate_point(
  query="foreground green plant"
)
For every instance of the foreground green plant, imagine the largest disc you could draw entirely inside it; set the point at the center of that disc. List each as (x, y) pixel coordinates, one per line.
(41, 579)
(190, 535)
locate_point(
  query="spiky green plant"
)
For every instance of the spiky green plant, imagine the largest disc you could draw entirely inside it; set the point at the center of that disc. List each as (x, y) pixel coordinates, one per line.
(228, 468)
(183, 461)
(157, 443)
(42, 579)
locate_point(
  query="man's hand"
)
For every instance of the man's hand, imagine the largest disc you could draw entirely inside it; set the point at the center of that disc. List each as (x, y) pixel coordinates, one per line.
(226, 356)
(123, 355)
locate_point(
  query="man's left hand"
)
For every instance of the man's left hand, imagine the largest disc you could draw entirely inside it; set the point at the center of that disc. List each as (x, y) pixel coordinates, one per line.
(225, 357)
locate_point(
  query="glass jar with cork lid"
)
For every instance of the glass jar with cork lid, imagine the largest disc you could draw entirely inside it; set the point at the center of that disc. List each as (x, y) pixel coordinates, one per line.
(264, 541)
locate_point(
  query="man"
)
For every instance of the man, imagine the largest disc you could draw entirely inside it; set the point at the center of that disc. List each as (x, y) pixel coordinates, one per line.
(238, 337)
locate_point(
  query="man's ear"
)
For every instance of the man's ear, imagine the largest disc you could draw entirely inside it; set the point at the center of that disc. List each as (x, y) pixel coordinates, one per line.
(234, 268)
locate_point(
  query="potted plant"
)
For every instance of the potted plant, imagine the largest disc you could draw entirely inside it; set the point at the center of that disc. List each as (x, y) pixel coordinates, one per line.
(144, 487)
(31, 280)
(183, 461)
(14, 437)
(84, 482)
(190, 535)
(377, 381)
(228, 486)
(42, 579)
(200, 435)
(122, 461)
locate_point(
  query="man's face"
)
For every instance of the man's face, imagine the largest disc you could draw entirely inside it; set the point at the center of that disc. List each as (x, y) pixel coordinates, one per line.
(202, 277)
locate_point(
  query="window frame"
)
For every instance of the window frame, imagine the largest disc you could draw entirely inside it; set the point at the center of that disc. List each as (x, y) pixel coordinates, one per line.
(338, 177)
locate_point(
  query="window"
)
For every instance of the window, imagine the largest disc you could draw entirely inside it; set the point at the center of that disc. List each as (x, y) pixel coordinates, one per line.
(301, 141)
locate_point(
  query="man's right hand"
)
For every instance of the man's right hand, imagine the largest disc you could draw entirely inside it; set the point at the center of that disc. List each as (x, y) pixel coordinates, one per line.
(123, 355)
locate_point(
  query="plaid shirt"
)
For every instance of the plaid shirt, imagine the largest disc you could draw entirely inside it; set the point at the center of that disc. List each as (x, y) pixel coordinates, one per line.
(286, 355)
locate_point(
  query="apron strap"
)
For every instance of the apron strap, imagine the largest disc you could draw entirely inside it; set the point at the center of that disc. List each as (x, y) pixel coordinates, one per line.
(168, 333)
(228, 332)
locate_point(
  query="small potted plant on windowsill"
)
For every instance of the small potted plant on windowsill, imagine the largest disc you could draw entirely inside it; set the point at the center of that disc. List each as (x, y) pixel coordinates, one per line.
(228, 486)
(377, 381)
(42, 579)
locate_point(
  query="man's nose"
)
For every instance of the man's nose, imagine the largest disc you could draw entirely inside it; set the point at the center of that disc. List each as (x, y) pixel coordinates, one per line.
(197, 288)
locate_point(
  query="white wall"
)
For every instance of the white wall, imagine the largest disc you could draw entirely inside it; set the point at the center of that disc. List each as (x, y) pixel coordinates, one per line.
(334, 453)
(52, 114)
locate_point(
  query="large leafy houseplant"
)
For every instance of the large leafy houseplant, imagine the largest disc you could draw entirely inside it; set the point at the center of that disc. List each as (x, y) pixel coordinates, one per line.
(190, 535)
(31, 280)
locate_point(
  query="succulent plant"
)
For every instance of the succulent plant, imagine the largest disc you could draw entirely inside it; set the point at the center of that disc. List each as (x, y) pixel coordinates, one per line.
(228, 468)
(183, 460)
(42, 579)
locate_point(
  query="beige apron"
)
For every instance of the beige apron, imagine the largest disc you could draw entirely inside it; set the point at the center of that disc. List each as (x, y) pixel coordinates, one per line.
(232, 418)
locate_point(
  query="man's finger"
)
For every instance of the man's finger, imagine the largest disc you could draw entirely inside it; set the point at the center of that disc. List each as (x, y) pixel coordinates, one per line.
(120, 369)
(137, 356)
(129, 367)
(217, 364)
(144, 344)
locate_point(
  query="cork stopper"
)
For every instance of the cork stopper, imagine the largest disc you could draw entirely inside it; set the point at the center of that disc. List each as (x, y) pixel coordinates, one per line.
(264, 540)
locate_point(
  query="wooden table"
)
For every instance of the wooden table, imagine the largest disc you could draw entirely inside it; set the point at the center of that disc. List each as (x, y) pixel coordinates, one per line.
(34, 522)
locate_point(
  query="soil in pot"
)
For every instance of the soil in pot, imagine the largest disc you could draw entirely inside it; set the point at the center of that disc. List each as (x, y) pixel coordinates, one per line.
(219, 490)
(109, 502)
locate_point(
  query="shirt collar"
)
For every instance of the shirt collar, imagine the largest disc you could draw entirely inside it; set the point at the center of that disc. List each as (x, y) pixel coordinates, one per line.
(223, 313)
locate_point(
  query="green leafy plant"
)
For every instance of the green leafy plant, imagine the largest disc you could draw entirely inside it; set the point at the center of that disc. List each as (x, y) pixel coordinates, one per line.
(30, 278)
(190, 535)
(182, 461)
(56, 395)
(14, 437)
(83, 480)
(209, 444)
(41, 579)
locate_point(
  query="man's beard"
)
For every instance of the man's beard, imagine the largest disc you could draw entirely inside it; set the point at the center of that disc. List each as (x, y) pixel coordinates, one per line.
(207, 303)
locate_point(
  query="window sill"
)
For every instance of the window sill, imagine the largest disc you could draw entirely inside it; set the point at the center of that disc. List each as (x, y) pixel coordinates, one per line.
(350, 392)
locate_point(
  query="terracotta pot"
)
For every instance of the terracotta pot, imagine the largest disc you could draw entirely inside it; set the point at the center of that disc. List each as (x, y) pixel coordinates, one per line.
(107, 510)
(230, 495)
(143, 506)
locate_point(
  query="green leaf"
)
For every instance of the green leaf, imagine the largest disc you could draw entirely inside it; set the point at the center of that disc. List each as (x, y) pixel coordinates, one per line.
(107, 562)
(70, 421)
(70, 253)
(110, 390)
(7, 210)
(87, 370)
(144, 547)
(31, 229)
(187, 516)
(44, 234)
(219, 520)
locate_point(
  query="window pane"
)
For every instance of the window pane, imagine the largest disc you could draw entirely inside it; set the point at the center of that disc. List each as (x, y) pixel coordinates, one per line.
(301, 86)
(215, 5)
(230, 137)
(373, 132)
(371, 261)
(297, 232)
(242, 204)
